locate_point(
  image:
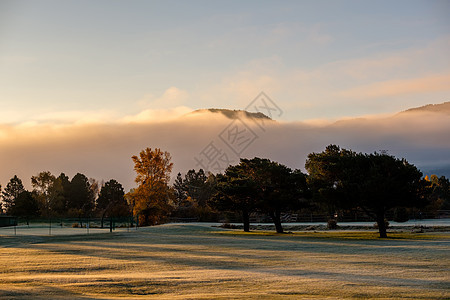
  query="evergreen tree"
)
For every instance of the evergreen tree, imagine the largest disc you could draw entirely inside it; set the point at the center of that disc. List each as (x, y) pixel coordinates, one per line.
(111, 201)
(10, 194)
(81, 198)
(25, 206)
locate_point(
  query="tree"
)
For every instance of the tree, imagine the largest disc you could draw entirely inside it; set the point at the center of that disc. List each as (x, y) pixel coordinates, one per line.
(179, 190)
(261, 184)
(42, 183)
(153, 195)
(111, 201)
(193, 193)
(25, 206)
(373, 182)
(236, 192)
(326, 173)
(278, 188)
(390, 183)
(440, 195)
(10, 194)
(81, 197)
(57, 197)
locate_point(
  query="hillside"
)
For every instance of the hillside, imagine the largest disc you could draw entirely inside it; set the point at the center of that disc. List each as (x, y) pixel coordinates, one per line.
(439, 108)
(234, 114)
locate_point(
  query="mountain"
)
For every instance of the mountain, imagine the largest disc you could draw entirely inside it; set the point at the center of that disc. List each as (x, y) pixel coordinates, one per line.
(439, 108)
(234, 114)
(442, 109)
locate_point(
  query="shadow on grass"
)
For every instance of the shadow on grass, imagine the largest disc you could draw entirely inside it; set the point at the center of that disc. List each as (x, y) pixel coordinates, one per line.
(341, 235)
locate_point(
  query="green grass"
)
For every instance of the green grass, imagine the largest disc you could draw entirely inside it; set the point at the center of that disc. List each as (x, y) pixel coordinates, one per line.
(196, 262)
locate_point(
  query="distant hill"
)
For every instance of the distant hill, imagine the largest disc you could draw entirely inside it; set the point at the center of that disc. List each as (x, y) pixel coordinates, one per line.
(233, 114)
(439, 108)
(442, 108)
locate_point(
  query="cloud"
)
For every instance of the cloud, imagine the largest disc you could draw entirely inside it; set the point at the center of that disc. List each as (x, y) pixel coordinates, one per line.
(75, 117)
(397, 87)
(152, 115)
(104, 150)
(172, 97)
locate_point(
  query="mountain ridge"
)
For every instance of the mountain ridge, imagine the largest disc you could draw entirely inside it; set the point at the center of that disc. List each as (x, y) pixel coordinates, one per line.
(439, 108)
(233, 113)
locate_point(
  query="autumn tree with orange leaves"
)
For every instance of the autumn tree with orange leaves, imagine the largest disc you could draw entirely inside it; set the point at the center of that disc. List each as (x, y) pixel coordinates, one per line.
(153, 195)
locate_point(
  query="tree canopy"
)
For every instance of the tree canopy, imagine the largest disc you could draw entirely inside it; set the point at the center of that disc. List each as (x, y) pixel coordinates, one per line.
(153, 195)
(111, 201)
(373, 182)
(262, 185)
(11, 192)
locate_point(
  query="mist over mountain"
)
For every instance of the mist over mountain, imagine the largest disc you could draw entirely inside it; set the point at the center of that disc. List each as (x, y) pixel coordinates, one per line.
(233, 114)
(104, 150)
(443, 108)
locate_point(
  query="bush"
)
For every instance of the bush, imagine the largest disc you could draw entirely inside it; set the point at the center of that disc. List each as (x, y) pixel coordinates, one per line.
(229, 226)
(332, 224)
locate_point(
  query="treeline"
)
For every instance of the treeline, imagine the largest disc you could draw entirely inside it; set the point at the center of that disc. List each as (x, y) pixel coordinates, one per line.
(338, 181)
(60, 196)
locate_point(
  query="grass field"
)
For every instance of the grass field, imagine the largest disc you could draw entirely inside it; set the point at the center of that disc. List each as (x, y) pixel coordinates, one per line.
(200, 262)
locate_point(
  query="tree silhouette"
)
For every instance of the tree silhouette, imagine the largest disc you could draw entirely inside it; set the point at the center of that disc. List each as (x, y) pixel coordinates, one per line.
(236, 192)
(25, 206)
(10, 194)
(111, 201)
(260, 184)
(373, 182)
(42, 184)
(81, 198)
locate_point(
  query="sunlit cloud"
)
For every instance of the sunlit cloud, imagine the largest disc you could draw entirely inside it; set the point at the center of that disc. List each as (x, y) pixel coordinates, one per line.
(152, 115)
(76, 117)
(399, 87)
(104, 150)
(172, 97)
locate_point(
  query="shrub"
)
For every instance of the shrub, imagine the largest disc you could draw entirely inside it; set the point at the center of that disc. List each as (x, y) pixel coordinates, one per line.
(229, 226)
(332, 224)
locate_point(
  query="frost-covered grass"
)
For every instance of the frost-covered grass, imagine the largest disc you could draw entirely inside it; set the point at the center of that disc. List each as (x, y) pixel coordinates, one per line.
(186, 262)
(346, 234)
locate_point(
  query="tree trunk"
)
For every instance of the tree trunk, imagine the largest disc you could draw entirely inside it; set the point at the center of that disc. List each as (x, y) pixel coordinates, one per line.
(276, 217)
(381, 224)
(246, 220)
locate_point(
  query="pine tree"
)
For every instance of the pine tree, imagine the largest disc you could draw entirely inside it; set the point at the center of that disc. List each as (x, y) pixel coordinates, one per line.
(10, 194)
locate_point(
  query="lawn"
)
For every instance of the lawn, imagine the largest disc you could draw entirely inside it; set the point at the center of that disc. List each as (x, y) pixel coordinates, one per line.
(201, 262)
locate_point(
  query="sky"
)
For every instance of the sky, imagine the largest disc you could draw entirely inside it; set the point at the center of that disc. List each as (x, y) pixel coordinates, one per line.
(67, 67)
(63, 61)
